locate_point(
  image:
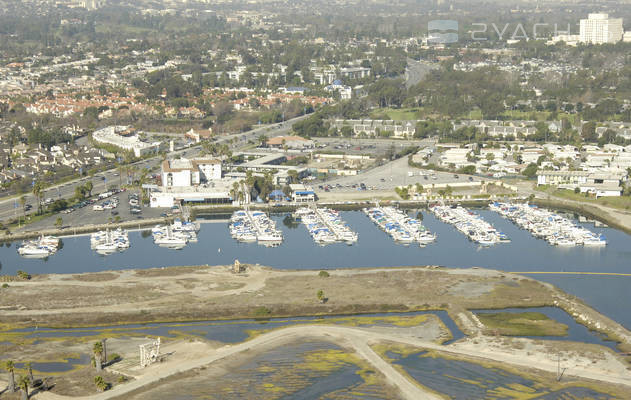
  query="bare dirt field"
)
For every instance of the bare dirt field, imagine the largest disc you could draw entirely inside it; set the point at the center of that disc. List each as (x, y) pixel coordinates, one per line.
(188, 293)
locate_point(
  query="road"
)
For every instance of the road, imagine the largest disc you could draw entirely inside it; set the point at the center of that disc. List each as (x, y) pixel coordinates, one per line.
(103, 180)
(357, 339)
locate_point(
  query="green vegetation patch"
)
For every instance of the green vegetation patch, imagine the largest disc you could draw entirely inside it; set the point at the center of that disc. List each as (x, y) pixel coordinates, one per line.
(523, 324)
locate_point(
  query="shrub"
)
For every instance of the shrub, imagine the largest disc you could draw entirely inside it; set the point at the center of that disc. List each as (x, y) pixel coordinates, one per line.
(262, 311)
(323, 274)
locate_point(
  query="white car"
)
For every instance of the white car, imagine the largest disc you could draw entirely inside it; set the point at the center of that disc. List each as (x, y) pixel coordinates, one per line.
(97, 207)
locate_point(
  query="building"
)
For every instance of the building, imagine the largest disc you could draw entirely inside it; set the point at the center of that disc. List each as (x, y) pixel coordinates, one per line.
(187, 173)
(301, 193)
(346, 92)
(355, 72)
(597, 183)
(124, 138)
(599, 28)
(199, 135)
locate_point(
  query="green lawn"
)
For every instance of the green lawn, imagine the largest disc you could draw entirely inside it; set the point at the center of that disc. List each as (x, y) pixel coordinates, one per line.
(523, 324)
(399, 114)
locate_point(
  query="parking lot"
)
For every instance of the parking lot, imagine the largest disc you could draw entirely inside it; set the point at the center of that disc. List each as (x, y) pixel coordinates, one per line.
(391, 175)
(87, 215)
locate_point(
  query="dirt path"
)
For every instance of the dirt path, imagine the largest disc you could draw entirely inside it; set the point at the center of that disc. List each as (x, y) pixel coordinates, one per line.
(359, 340)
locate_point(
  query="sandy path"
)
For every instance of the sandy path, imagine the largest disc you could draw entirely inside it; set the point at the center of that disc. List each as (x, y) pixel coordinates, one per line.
(358, 339)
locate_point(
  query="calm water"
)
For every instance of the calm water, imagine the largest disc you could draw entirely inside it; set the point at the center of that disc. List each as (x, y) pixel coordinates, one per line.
(374, 248)
(575, 332)
(462, 380)
(232, 331)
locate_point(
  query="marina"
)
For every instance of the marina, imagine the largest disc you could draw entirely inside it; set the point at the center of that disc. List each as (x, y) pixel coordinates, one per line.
(108, 242)
(43, 247)
(541, 223)
(401, 227)
(254, 226)
(470, 224)
(176, 235)
(523, 253)
(325, 225)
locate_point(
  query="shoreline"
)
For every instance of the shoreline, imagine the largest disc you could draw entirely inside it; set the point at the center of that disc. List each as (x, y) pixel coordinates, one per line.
(587, 210)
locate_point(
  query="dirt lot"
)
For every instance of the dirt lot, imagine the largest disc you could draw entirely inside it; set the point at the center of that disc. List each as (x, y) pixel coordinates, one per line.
(187, 293)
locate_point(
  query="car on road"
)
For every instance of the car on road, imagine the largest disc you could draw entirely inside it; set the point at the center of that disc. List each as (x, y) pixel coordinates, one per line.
(27, 207)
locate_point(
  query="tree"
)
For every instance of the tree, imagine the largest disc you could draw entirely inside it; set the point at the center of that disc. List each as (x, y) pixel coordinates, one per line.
(88, 187)
(588, 132)
(98, 355)
(100, 383)
(79, 192)
(23, 204)
(23, 384)
(29, 369)
(10, 367)
(38, 191)
(530, 171)
(320, 295)
(263, 140)
(59, 222)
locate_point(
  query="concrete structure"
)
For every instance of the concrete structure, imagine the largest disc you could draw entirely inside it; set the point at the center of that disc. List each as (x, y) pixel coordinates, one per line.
(599, 28)
(186, 173)
(292, 142)
(123, 138)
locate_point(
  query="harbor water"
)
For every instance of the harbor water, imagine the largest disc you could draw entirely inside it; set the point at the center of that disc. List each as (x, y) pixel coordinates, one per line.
(608, 294)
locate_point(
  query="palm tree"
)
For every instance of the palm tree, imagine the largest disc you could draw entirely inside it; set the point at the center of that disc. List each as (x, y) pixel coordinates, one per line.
(24, 383)
(10, 367)
(320, 295)
(29, 368)
(98, 354)
(100, 383)
(38, 190)
(23, 205)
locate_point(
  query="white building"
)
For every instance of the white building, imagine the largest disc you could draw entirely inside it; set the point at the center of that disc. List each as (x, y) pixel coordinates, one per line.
(599, 28)
(457, 156)
(301, 193)
(118, 136)
(186, 173)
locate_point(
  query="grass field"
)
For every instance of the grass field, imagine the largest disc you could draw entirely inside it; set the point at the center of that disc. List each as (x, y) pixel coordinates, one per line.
(523, 324)
(619, 202)
(401, 114)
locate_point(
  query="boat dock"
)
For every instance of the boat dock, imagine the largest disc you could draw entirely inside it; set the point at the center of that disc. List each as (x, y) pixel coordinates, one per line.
(326, 226)
(399, 225)
(251, 226)
(470, 224)
(545, 224)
